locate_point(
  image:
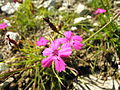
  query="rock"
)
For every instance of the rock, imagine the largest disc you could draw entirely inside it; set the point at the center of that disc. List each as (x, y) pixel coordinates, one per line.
(95, 24)
(1, 57)
(13, 86)
(3, 66)
(17, 76)
(62, 8)
(23, 84)
(27, 80)
(37, 3)
(69, 2)
(79, 19)
(73, 28)
(119, 68)
(20, 88)
(30, 89)
(89, 1)
(12, 35)
(66, 4)
(51, 7)
(93, 83)
(117, 3)
(88, 17)
(92, 29)
(47, 4)
(7, 22)
(10, 8)
(79, 8)
(2, 2)
(4, 84)
(20, 84)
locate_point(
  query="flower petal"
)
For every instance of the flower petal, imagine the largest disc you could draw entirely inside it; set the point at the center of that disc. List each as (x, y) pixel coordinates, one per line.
(62, 40)
(65, 52)
(68, 34)
(42, 42)
(47, 52)
(99, 10)
(38, 43)
(77, 45)
(55, 45)
(59, 64)
(65, 45)
(3, 25)
(47, 61)
(78, 38)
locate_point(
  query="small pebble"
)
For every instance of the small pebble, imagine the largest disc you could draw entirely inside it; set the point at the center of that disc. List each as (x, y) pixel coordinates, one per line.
(1, 57)
(13, 86)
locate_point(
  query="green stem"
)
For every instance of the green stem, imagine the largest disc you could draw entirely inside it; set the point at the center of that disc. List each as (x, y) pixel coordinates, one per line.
(101, 28)
(56, 74)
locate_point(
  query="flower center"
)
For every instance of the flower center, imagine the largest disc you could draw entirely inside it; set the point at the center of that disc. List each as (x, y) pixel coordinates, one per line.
(55, 52)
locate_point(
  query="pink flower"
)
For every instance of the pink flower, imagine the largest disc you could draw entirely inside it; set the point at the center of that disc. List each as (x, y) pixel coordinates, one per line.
(14, 1)
(42, 42)
(99, 10)
(71, 40)
(55, 53)
(3, 26)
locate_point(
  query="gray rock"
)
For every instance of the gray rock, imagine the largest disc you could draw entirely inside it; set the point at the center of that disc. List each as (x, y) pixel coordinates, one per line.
(74, 28)
(7, 22)
(13, 86)
(69, 2)
(12, 35)
(63, 8)
(79, 19)
(20, 84)
(79, 8)
(47, 4)
(117, 3)
(17, 76)
(27, 80)
(1, 57)
(93, 83)
(37, 2)
(20, 89)
(3, 66)
(10, 8)
(96, 24)
(30, 89)
(2, 2)
(89, 1)
(4, 84)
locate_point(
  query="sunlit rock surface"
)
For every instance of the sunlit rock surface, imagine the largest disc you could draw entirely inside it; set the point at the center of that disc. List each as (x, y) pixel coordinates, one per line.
(93, 83)
(10, 8)
(12, 35)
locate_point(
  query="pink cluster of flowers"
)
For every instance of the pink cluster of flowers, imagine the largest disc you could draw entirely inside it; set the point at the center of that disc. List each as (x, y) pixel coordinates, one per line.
(59, 49)
(3, 25)
(99, 10)
(42, 42)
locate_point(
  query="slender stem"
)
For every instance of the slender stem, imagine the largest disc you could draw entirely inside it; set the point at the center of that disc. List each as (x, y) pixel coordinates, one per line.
(56, 74)
(102, 28)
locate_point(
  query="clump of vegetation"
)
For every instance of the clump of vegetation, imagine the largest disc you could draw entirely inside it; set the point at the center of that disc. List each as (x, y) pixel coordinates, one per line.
(68, 54)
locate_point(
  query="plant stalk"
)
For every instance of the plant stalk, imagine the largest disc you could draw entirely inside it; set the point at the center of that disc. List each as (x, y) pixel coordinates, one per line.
(116, 16)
